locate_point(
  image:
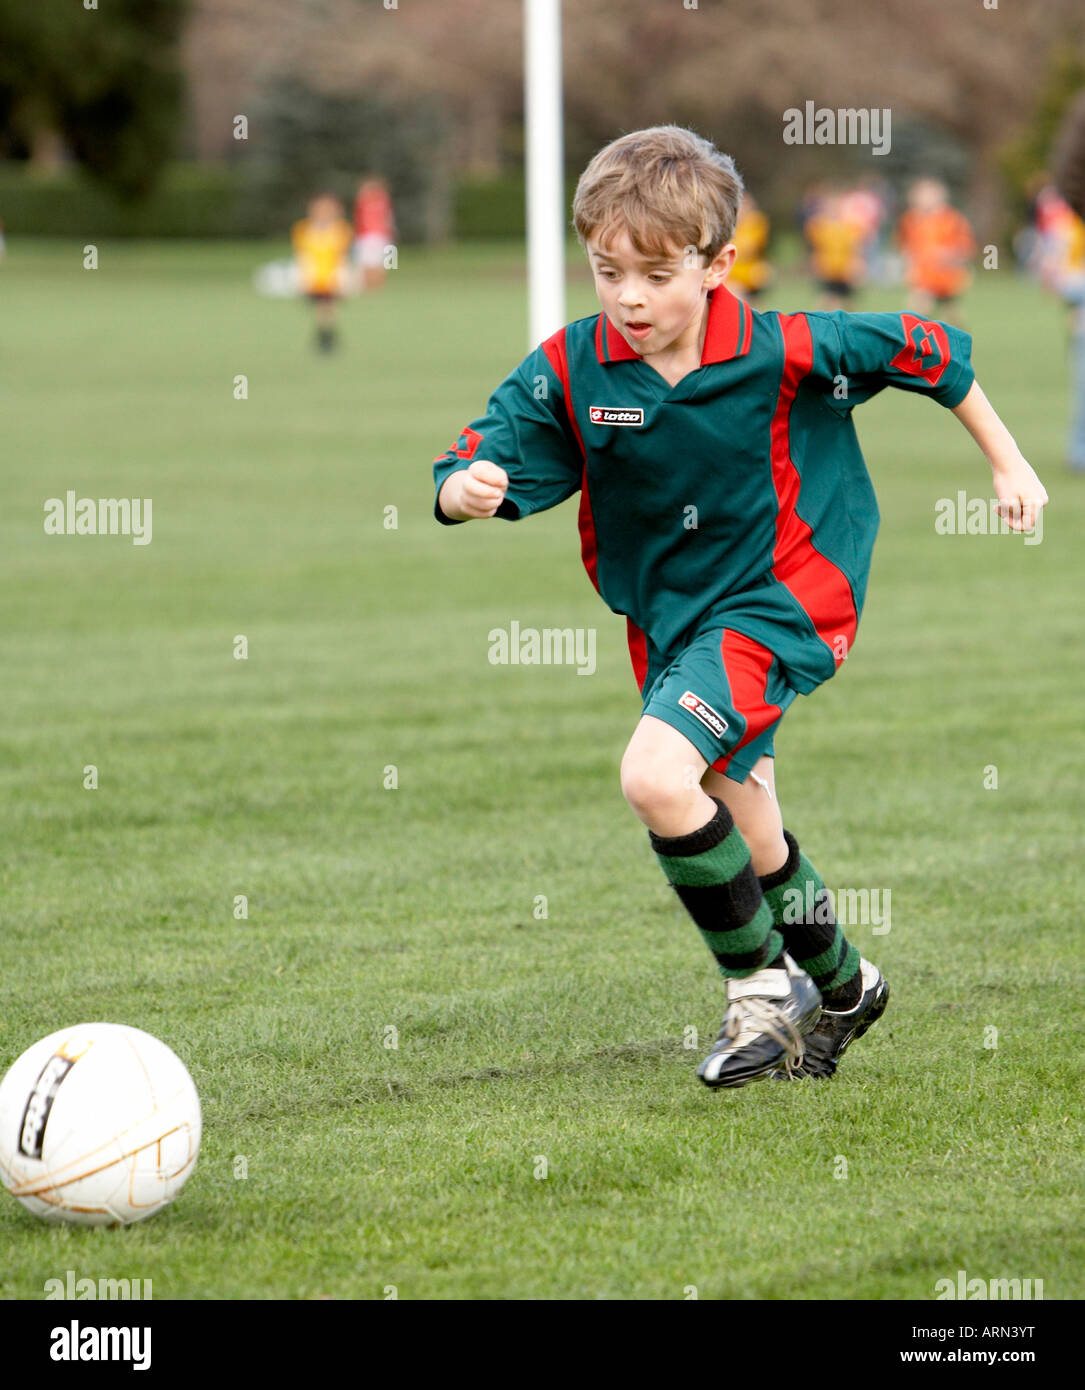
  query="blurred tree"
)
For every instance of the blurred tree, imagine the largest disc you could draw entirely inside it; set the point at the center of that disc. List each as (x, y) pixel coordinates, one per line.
(967, 73)
(1069, 156)
(303, 141)
(103, 85)
(925, 147)
(1026, 163)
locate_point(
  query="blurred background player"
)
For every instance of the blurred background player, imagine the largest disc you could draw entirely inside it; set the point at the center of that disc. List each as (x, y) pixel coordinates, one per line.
(937, 243)
(374, 230)
(1058, 257)
(837, 241)
(1069, 170)
(321, 245)
(751, 271)
(868, 205)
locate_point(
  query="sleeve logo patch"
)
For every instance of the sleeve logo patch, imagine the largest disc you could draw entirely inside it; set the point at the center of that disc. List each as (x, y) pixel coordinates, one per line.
(465, 447)
(705, 713)
(926, 349)
(615, 415)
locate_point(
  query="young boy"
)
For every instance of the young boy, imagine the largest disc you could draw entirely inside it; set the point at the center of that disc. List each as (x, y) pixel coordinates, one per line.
(321, 242)
(1059, 259)
(726, 511)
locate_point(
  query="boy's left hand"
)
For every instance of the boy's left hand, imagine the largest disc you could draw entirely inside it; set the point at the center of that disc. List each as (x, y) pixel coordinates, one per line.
(1020, 493)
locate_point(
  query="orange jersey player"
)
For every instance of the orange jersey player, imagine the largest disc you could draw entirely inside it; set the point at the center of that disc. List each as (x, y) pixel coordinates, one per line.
(937, 243)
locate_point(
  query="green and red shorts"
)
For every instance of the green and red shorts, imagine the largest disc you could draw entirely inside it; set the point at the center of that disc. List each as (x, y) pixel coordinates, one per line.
(726, 693)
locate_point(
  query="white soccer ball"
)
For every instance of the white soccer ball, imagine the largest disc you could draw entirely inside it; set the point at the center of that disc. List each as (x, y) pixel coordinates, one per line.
(99, 1125)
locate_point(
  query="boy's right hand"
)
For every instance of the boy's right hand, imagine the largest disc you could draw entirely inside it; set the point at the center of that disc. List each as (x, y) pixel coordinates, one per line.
(473, 493)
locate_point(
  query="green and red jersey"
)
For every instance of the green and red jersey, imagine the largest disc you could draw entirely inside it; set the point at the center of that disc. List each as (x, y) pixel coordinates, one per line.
(738, 498)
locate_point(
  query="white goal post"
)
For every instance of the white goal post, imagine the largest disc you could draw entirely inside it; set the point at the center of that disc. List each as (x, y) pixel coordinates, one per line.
(543, 142)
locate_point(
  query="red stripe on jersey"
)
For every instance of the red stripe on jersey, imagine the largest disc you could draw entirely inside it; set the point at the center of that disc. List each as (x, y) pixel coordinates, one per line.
(747, 664)
(554, 347)
(821, 588)
(638, 652)
(747, 333)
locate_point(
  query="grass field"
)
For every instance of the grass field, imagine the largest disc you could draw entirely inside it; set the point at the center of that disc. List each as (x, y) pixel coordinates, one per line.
(412, 908)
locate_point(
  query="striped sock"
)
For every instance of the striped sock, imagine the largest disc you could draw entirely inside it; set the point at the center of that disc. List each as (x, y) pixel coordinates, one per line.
(710, 870)
(802, 911)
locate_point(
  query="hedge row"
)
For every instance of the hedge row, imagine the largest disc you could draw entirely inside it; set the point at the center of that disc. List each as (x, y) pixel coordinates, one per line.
(484, 208)
(189, 201)
(209, 201)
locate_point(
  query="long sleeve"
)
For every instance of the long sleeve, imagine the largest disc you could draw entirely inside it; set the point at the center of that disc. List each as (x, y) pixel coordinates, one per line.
(858, 355)
(526, 431)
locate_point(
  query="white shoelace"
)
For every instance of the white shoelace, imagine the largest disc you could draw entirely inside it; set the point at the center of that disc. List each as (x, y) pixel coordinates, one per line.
(757, 1016)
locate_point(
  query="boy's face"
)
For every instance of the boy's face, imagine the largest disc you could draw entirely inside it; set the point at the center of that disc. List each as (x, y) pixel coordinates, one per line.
(324, 209)
(656, 304)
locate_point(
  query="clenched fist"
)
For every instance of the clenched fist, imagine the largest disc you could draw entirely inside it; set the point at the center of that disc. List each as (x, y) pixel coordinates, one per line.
(473, 493)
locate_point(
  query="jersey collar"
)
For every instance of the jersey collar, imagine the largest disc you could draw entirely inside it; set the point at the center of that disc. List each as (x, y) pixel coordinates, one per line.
(730, 327)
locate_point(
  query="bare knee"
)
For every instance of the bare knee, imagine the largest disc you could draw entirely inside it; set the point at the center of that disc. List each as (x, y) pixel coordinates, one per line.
(661, 795)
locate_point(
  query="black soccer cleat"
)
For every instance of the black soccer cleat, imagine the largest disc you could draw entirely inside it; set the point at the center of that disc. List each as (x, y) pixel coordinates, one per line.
(834, 1032)
(769, 1015)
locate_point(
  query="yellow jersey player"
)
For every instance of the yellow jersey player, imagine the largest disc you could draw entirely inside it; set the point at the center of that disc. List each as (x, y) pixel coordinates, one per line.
(751, 271)
(321, 243)
(837, 242)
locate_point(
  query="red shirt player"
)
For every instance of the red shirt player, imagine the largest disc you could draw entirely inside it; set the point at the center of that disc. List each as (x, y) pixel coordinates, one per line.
(374, 230)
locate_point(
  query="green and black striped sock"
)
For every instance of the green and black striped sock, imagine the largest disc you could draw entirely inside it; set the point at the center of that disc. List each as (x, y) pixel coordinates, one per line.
(802, 911)
(710, 870)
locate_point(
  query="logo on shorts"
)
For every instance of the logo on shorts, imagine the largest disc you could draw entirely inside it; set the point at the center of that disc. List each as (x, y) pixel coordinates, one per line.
(705, 713)
(615, 415)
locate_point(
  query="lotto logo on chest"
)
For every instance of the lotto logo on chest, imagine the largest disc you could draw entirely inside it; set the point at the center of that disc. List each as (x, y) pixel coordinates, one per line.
(615, 415)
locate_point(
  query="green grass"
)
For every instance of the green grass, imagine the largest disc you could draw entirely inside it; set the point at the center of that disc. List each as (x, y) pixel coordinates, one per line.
(413, 908)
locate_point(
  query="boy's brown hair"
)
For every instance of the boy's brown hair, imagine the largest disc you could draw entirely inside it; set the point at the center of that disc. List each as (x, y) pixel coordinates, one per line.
(668, 186)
